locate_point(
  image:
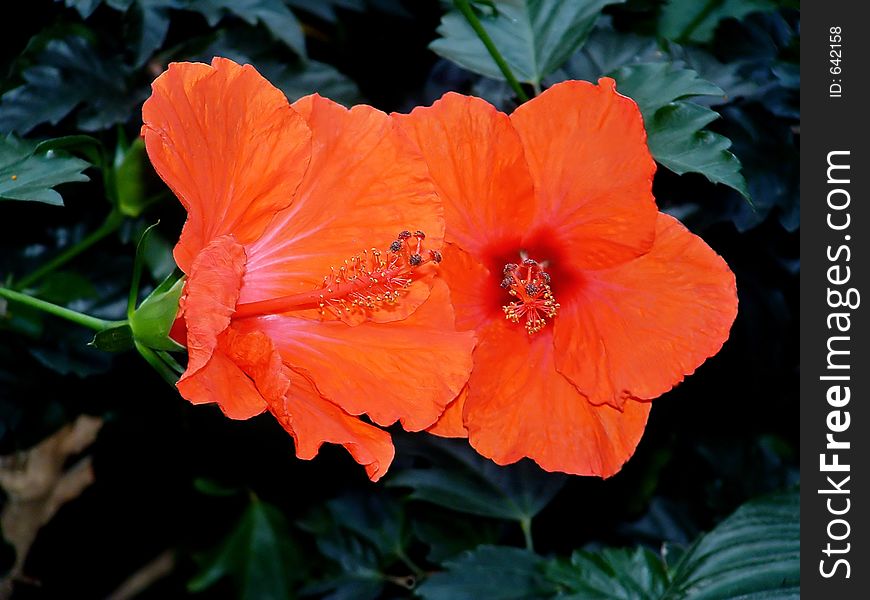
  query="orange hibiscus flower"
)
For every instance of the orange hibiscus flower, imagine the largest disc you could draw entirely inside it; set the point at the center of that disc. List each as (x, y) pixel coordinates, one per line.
(305, 295)
(588, 302)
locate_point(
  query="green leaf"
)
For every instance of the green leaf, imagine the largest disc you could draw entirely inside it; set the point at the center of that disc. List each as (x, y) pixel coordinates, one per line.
(273, 14)
(461, 480)
(674, 127)
(535, 37)
(678, 142)
(696, 20)
(114, 339)
(26, 173)
(491, 572)
(653, 85)
(754, 552)
(611, 574)
(259, 556)
(68, 73)
(153, 320)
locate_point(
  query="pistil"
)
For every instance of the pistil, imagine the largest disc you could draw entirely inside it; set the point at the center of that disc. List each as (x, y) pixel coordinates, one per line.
(530, 285)
(366, 281)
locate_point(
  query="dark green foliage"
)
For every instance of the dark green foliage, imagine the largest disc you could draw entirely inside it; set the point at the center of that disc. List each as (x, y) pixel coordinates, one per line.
(493, 572)
(69, 73)
(535, 36)
(655, 85)
(678, 141)
(675, 128)
(30, 172)
(273, 14)
(718, 86)
(611, 573)
(258, 556)
(696, 20)
(462, 480)
(753, 552)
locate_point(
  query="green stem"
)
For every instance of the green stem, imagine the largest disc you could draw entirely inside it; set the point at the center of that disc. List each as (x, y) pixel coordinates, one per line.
(526, 526)
(168, 375)
(58, 311)
(170, 361)
(465, 8)
(111, 224)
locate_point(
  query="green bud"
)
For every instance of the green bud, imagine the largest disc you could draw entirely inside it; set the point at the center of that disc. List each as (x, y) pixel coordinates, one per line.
(153, 319)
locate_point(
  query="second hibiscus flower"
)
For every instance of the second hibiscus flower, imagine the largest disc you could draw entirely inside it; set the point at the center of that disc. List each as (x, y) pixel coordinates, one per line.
(588, 302)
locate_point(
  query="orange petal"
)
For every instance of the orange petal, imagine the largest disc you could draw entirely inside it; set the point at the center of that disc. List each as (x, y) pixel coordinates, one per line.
(222, 381)
(635, 330)
(586, 149)
(312, 420)
(450, 423)
(477, 162)
(366, 183)
(255, 354)
(228, 144)
(309, 418)
(407, 370)
(471, 288)
(210, 296)
(519, 406)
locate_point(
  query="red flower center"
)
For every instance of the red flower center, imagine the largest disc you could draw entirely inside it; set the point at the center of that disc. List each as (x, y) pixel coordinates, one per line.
(530, 285)
(366, 281)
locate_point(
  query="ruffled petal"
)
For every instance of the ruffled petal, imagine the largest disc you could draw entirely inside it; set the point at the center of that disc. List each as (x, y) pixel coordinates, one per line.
(366, 183)
(256, 356)
(210, 296)
(309, 418)
(312, 420)
(634, 331)
(407, 370)
(519, 406)
(223, 382)
(228, 144)
(476, 159)
(450, 423)
(209, 300)
(587, 153)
